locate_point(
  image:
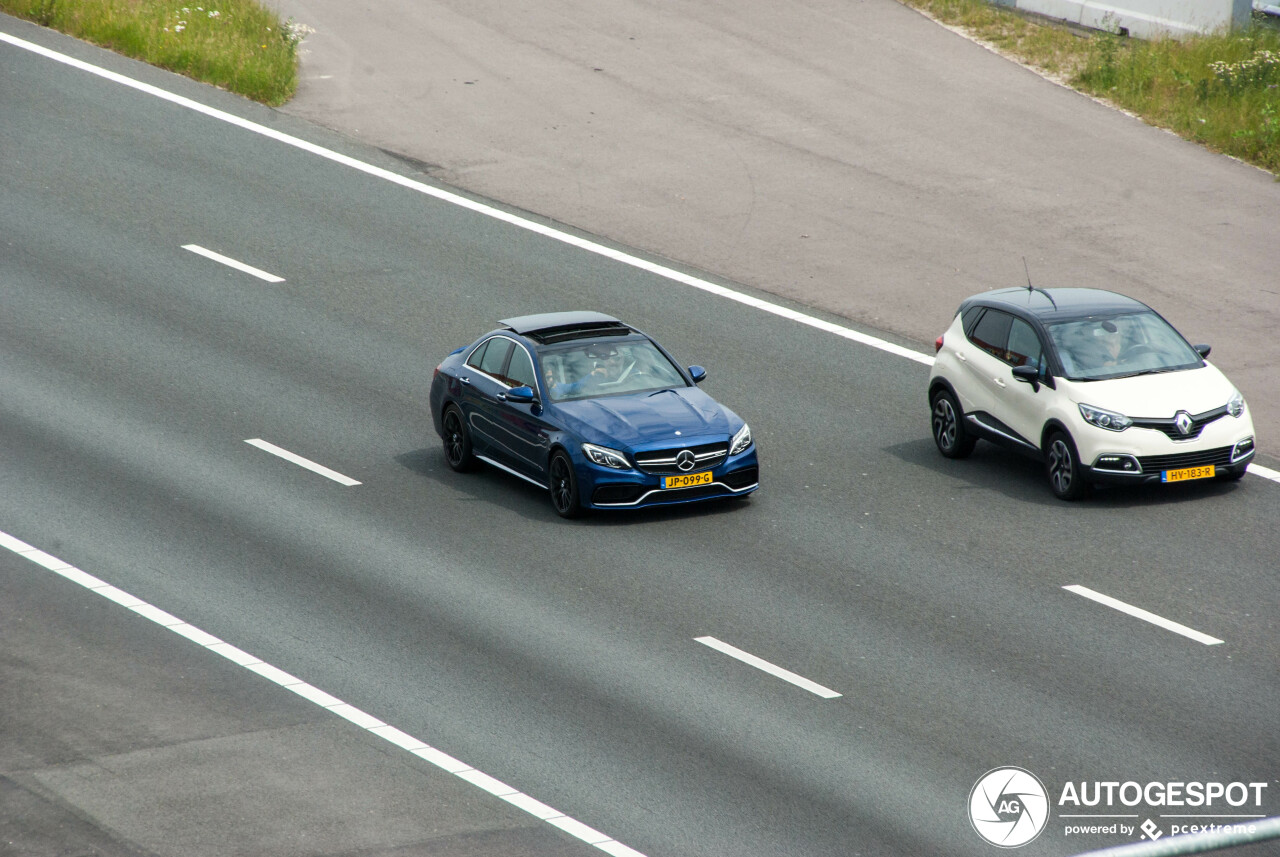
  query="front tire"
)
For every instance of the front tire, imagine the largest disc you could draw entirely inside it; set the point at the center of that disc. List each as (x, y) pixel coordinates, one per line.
(564, 486)
(1063, 468)
(457, 441)
(949, 433)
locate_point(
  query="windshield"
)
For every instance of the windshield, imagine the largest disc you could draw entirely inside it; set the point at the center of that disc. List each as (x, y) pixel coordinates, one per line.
(584, 370)
(1095, 348)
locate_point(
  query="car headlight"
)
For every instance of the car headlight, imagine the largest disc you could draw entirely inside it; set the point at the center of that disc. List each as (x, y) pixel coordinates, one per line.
(1235, 406)
(605, 457)
(741, 440)
(1109, 420)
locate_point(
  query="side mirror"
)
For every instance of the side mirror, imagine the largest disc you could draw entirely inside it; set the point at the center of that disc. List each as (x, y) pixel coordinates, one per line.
(520, 395)
(1202, 350)
(1029, 374)
(697, 373)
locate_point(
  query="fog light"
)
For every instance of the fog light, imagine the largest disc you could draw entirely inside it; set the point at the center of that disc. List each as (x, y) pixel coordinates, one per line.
(1119, 463)
(1242, 449)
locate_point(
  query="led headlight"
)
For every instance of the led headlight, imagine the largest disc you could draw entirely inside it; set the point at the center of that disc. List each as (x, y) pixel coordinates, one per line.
(1235, 406)
(1109, 420)
(741, 440)
(605, 457)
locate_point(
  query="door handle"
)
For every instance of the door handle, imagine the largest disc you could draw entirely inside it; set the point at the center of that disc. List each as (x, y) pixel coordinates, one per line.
(960, 356)
(464, 379)
(999, 382)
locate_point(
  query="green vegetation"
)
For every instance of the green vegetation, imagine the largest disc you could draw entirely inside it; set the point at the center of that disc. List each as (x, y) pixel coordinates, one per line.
(235, 44)
(1220, 90)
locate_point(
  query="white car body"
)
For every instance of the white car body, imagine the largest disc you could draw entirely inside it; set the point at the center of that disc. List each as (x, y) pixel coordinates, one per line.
(1186, 423)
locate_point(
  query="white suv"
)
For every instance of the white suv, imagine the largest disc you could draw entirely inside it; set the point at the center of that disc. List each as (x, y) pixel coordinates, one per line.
(1097, 385)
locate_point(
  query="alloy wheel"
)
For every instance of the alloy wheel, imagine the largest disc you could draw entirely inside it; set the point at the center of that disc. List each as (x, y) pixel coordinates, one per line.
(564, 489)
(944, 424)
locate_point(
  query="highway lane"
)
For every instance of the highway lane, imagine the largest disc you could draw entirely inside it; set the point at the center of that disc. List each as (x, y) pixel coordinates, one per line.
(562, 658)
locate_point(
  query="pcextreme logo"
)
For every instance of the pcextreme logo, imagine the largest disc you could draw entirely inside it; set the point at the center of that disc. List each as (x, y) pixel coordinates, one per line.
(1008, 807)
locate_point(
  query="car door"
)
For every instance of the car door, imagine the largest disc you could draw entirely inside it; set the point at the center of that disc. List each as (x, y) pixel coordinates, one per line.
(984, 338)
(519, 435)
(1002, 403)
(481, 383)
(1024, 405)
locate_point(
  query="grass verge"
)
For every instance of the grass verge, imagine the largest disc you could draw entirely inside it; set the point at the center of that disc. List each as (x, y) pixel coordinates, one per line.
(235, 44)
(1221, 90)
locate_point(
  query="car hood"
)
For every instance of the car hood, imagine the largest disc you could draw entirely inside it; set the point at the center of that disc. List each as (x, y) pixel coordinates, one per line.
(1157, 396)
(649, 418)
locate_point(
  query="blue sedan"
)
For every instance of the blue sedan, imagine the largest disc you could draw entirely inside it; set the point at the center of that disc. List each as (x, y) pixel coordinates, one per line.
(594, 411)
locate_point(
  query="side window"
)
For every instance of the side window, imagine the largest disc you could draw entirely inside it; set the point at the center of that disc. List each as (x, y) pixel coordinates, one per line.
(495, 356)
(971, 318)
(1024, 345)
(520, 372)
(478, 354)
(991, 333)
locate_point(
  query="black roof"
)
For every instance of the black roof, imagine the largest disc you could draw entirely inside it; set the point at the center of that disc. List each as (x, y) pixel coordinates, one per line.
(1057, 304)
(558, 326)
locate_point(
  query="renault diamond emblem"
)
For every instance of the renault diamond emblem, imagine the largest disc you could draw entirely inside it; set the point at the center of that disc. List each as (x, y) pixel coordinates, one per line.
(685, 460)
(1183, 422)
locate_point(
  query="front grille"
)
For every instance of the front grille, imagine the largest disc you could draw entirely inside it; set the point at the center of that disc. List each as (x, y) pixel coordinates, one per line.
(663, 461)
(1219, 457)
(1198, 422)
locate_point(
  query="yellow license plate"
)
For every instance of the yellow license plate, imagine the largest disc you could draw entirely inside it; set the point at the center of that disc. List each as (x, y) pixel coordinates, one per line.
(687, 480)
(1205, 472)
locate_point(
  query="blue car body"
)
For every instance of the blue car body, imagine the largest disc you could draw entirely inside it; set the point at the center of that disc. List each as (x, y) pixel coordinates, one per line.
(528, 396)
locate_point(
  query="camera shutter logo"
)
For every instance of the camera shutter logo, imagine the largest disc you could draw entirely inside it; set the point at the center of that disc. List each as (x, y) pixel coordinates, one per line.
(1008, 807)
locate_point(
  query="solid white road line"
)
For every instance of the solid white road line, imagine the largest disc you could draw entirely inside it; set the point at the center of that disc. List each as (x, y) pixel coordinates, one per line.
(1138, 612)
(330, 703)
(760, 664)
(232, 263)
(301, 462)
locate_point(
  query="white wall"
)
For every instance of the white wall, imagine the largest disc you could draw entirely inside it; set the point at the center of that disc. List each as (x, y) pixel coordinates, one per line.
(1146, 19)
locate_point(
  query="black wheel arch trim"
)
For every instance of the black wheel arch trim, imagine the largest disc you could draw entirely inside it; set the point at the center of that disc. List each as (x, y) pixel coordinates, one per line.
(1050, 427)
(940, 383)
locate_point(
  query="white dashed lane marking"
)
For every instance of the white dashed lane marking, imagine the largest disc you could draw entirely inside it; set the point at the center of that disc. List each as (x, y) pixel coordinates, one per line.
(301, 462)
(765, 666)
(1144, 615)
(233, 263)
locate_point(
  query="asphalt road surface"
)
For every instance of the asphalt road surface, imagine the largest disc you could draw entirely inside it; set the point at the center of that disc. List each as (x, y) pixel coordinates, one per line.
(403, 618)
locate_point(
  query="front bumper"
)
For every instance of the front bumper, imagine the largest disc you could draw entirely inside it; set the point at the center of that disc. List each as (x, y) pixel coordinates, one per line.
(606, 488)
(1130, 469)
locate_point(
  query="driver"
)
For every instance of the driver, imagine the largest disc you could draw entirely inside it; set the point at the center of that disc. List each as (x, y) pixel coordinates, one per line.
(608, 368)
